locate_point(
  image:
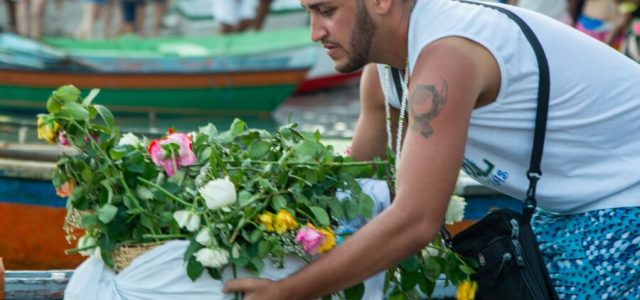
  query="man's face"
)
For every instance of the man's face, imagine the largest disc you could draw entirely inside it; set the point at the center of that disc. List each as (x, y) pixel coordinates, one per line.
(345, 29)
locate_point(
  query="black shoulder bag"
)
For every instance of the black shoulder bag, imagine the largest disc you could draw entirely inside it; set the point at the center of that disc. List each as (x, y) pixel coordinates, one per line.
(510, 263)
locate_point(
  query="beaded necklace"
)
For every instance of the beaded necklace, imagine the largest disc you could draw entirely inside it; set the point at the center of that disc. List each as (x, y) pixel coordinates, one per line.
(403, 110)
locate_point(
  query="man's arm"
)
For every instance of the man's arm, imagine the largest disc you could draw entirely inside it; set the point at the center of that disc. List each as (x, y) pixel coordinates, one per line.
(449, 77)
(370, 137)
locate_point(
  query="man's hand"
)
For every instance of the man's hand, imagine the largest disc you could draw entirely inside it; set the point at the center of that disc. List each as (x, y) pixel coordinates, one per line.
(255, 289)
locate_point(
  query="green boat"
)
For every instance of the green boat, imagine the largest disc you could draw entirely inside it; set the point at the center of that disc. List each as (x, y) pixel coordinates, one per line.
(249, 73)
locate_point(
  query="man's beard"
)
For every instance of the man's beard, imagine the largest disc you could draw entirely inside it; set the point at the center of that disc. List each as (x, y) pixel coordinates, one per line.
(361, 38)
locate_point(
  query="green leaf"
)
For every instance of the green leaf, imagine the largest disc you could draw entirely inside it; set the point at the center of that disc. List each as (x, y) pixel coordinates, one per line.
(432, 268)
(263, 249)
(244, 197)
(191, 249)
(53, 105)
(355, 292)
(89, 221)
(89, 98)
(279, 202)
(336, 208)
(467, 270)
(209, 130)
(426, 286)
(255, 236)
(107, 212)
(258, 149)
(144, 193)
(76, 111)
(106, 115)
(194, 268)
(214, 273)
(351, 209)
(410, 264)
(307, 150)
(258, 264)
(365, 206)
(67, 93)
(321, 215)
(237, 127)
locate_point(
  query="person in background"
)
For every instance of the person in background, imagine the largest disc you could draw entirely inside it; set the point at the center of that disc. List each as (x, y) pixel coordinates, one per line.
(234, 15)
(261, 14)
(11, 15)
(29, 17)
(132, 17)
(557, 9)
(471, 98)
(159, 11)
(93, 11)
(631, 43)
(602, 20)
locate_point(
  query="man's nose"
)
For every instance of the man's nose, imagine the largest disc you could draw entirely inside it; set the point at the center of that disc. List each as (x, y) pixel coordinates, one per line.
(318, 31)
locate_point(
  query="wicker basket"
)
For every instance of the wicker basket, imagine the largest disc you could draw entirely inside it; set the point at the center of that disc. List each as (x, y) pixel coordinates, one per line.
(125, 254)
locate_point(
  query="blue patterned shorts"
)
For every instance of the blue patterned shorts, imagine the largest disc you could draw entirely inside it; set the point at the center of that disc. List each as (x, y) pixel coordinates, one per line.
(592, 255)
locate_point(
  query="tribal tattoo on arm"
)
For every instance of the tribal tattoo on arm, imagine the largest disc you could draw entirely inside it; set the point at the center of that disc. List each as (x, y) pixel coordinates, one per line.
(426, 104)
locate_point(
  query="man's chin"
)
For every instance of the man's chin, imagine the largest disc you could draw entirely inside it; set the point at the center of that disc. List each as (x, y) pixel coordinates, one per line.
(346, 67)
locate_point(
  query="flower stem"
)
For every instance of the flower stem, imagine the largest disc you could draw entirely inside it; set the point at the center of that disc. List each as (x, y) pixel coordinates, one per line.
(164, 236)
(170, 195)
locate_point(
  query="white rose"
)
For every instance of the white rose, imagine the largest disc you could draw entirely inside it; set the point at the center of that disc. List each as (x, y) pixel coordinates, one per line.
(187, 219)
(213, 258)
(204, 237)
(218, 193)
(129, 139)
(86, 241)
(455, 211)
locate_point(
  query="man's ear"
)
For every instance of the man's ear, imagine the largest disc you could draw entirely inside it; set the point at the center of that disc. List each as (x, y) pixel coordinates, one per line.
(382, 6)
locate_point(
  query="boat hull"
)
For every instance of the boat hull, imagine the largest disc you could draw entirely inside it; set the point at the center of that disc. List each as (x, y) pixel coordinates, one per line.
(215, 93)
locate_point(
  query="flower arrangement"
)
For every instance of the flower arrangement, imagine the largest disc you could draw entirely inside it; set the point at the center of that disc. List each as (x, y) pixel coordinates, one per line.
(238, 196)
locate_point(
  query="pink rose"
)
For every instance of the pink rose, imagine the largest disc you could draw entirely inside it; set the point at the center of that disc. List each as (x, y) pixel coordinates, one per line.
(310, 238)
(184, 157)
(62, 139)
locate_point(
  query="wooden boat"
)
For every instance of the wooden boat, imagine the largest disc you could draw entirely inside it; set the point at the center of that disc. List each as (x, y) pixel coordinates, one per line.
(31, 213)
(195, 17)
(249, 73)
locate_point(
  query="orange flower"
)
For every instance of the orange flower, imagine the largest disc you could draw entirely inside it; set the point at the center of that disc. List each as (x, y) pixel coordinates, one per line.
(65, 189)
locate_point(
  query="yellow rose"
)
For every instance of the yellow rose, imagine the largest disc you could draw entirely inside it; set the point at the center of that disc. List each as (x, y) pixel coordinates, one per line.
(329, 241)
(48, 132)
(285, 221)
(467, 290)
(267, 220)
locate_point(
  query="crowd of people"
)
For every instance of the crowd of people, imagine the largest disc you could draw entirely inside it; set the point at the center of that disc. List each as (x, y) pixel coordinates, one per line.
(116, 17)
(615, 22)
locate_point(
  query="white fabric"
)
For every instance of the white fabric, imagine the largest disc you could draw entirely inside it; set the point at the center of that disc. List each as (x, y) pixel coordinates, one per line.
(556, 9)
(157, 274)
(592, 146)
(231, 12)
(161, 273)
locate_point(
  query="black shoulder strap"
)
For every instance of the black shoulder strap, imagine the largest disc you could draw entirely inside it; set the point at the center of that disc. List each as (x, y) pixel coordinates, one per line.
(534, 173)
(395, 73)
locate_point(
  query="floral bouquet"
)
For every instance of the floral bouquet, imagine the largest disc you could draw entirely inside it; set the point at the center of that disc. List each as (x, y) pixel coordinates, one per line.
(238, 196)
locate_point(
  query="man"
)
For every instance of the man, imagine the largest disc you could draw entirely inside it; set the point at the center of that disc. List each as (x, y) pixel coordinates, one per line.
(472, 97)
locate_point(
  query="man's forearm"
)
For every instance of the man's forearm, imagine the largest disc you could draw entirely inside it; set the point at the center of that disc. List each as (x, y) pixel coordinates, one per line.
(382, 243)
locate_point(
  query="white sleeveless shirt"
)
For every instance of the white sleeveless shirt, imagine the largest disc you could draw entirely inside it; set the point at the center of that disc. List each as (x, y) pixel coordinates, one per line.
(591, 154)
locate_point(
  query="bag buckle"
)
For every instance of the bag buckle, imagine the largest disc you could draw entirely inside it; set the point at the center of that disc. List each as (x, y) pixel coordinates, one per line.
(515, 233)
